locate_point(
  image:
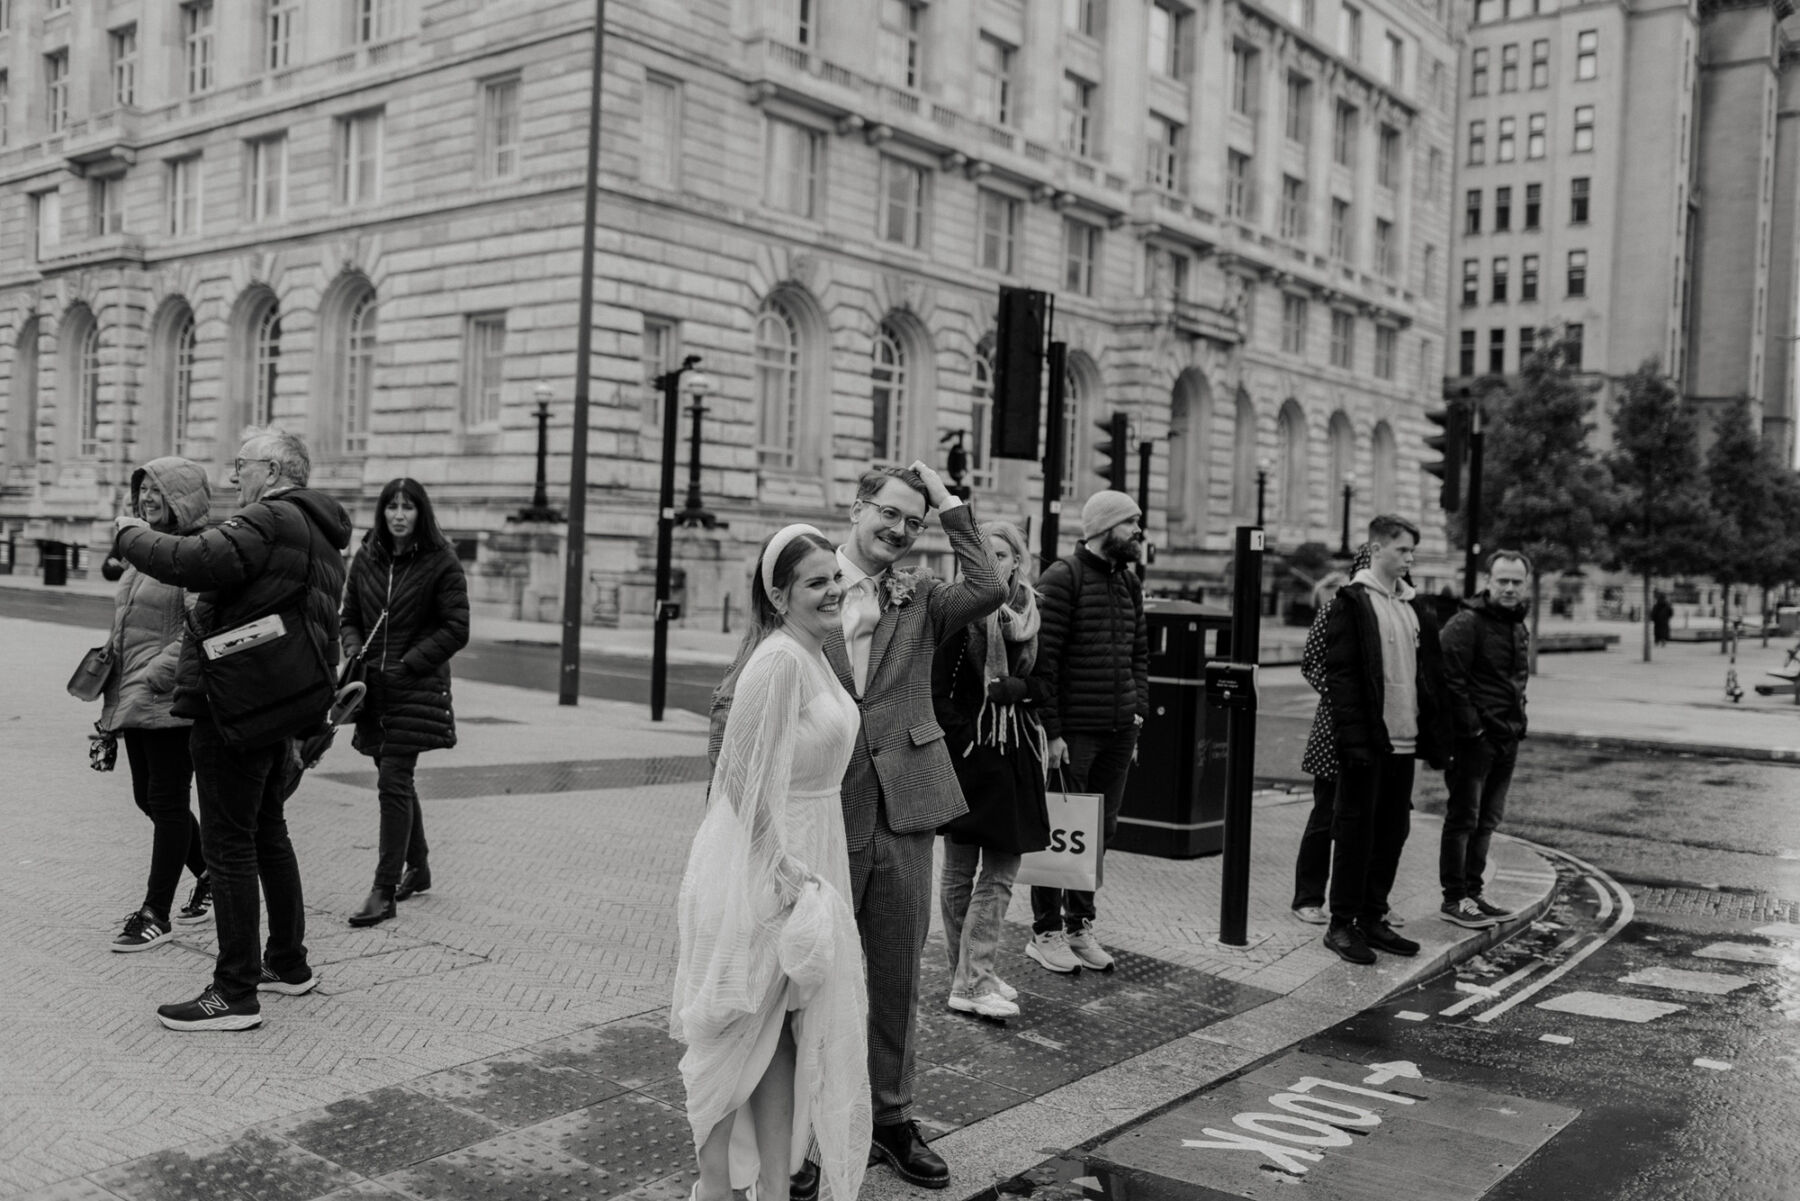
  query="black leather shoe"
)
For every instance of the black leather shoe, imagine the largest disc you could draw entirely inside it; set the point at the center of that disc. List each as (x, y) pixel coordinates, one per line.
(1348, 942)
(379, 907)
(1384, 937)
(412, 880)
(905, 1152)
(804, 1184)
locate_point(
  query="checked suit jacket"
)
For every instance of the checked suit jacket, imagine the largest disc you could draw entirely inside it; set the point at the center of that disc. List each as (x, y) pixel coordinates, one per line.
(901, 764)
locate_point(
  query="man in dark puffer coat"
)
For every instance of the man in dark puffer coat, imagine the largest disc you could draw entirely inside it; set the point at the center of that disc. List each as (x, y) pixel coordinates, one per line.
(285, 541)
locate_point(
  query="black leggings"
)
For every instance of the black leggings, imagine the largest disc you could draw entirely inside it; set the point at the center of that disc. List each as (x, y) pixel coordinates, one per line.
(161, 776)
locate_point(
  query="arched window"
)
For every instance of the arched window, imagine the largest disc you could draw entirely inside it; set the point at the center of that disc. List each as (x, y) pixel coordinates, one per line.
(356, 389)
(1243, 457)
(1290, 452)
(265, 363)
(253, 361)
(1343, 466)
(1189, 416)
(163, 426)
(22, 404)
(888, 372)
(79, 387)
(1081, 392)
(778, 386)
(346, 366)
(981, 415)
(181, 385)
(1384, 454)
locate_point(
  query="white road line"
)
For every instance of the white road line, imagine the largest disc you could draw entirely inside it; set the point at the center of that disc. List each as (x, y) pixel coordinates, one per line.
(1501, 985)
(1606, 905)
(1561, 1040)
(1626, 912)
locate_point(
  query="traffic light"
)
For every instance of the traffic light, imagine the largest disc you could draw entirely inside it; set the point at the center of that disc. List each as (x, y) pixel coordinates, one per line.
(1453, 444)
(1115, 449)
(1018, 373)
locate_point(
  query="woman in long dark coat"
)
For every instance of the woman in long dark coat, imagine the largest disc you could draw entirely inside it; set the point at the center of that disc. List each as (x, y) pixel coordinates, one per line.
(978, 688)
(406, 611)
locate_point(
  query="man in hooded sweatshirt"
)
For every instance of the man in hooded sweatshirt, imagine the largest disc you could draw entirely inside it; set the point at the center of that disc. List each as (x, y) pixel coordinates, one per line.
(1385, 682)
(1486, 668)
(284, 543)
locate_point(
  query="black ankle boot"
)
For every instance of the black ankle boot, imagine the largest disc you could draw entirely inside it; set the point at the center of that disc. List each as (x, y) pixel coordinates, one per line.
(378, 908)
(413, 880)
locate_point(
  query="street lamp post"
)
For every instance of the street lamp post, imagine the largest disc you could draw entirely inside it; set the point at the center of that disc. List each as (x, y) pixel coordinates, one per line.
(1262, 487)
(539, 509)
(666, 608)
(1349, 492)
(693, 510)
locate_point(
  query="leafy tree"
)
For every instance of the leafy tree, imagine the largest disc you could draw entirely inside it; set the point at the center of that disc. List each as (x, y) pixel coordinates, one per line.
(1660, 522)
(1545, 493)
(1751, 543)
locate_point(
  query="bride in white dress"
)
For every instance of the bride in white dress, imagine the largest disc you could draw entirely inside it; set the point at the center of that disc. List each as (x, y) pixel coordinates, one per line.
(770, 994)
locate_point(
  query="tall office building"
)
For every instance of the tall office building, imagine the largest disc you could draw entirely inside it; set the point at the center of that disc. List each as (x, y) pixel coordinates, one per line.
(361, 220)
(1628, 173)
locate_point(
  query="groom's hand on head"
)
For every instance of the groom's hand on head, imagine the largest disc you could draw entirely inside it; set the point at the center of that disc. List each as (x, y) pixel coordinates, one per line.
(935, 492)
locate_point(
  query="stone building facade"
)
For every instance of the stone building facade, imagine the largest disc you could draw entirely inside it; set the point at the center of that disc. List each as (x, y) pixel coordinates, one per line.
(362, 220)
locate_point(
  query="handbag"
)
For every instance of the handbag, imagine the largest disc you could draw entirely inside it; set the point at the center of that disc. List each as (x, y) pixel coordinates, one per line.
(93, 673)
(1077, 832)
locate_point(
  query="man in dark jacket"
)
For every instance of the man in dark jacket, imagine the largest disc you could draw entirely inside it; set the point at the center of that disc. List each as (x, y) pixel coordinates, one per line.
(1384, 678)
(1486, 667)
(1091, 685)
(284, 545)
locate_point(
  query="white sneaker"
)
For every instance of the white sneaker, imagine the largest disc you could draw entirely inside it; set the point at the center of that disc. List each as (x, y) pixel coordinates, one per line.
(1087, 948)
(1051, 951)
(1313, 915)
(1006, 990)
(987, 1005)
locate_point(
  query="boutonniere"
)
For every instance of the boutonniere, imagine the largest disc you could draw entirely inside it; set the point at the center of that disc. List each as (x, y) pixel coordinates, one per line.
(899, 586)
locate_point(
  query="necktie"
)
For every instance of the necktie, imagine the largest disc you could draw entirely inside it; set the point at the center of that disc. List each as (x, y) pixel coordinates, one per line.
(859, 632)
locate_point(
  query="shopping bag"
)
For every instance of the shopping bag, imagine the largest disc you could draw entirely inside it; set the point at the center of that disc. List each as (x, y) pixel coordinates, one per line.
(1072, 860)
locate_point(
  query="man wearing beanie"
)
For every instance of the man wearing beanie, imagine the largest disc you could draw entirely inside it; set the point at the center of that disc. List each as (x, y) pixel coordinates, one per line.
(1091, 686)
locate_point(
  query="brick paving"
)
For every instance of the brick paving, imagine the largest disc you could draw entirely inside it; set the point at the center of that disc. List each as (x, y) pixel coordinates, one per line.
(505, 1036)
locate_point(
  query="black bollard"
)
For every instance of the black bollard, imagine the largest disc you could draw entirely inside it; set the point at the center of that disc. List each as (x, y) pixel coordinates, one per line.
(1240, 736)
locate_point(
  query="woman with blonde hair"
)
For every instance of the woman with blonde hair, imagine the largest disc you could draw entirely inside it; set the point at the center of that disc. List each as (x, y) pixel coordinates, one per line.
(979, 690)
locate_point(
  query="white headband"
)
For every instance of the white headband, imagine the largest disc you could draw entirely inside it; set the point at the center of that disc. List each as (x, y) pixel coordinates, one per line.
(772, 552)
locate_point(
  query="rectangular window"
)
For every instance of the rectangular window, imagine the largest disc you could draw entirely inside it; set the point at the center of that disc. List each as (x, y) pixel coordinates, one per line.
(1081, 255)
(1246, 79)
(1166, 46)
(993, 80)
(5, 106)
(1536, 132)
(1396, 63)
(659, 350)
(279, 33)
(1385, 341)
(1509, 67)
(902, 219)
(1350, 32)
(197, 46)
(1465, 357)
(1534, 205)
(1578, 200)
(1540, 64)
(1428, 269)
(375, 20)
(1166, 150)
(1078, 116)
(1082, 16)
(359, 158)
(803, 20)
(1293, 323)
(1293, 208)
(56, 90)
(1307, 14)
(1587, 54)
(484, 370)
(1584, 128)
(1578, 273)
(1343, 239)
(106, 206)
(1387, 160)
(1434, 173)
(1472, 211)
(1478, 71)
(1477, 143)
(1299, 110)
(659, 143)
(1343, 340)
(792, 161)
(1240, 186)
(46, 221)
(265, 178)
(1502, 210)
(122, 47)
(1384, 248)
(997, 230)
(1501, 271)
(1496, 351)
(1527, 344)
(1528, 277)
(1165, 273)
(1573, 334)
(1471, 282)
(5, 15)
(183, 195)
(500, 127)
(899, 45)
(1343, 135)
(1506, 148)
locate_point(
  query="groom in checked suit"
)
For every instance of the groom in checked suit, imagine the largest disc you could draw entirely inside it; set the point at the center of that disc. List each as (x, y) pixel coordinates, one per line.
(899, 787)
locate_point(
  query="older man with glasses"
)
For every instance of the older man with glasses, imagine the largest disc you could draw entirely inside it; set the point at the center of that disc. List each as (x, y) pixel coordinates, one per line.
(282, 548)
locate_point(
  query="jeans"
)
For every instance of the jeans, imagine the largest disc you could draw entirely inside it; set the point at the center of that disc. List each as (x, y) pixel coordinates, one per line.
(245, 836)
(974, 910)
(1368, 831)
(1478, 780)
(402, 822)
(161, 778)
(1097, 763)
(1312, 866)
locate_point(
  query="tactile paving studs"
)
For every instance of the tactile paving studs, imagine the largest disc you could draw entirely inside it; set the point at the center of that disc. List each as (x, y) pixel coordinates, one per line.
(947, 1100)
(517, 1089)
(632, 1051)
(509, 1168)
(383, 1130)
(632, 1138)
(249, 1165)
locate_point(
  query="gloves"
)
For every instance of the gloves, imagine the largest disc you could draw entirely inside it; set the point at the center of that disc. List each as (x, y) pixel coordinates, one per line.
(1007, 690)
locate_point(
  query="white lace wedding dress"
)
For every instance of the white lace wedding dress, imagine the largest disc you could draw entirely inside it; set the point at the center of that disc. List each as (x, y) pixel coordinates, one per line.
(775, 797)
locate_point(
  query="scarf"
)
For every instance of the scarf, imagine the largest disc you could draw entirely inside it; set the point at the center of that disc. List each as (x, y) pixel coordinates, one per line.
(996, 724)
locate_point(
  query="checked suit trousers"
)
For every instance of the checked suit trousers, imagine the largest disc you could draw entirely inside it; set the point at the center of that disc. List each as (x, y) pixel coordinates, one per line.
(891, 882)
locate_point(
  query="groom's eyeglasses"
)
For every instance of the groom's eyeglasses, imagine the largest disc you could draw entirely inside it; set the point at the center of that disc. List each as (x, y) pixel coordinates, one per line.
(892, 516)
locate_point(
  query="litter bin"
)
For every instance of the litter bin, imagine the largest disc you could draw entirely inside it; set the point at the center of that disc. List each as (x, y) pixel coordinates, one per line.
(55, 558)
(1175, 797)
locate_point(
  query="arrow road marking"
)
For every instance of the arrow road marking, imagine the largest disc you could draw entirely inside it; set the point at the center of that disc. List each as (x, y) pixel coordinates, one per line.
(1400, 1069)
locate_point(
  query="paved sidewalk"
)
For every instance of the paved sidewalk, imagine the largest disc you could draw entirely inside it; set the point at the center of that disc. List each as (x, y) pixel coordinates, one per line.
(506, 1033)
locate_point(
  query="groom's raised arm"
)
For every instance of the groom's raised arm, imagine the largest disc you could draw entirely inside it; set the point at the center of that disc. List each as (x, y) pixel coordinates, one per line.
(979, 591)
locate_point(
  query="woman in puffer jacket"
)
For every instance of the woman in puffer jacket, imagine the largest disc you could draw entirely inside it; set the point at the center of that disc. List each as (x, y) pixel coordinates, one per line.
(172, 495)
(406, 611)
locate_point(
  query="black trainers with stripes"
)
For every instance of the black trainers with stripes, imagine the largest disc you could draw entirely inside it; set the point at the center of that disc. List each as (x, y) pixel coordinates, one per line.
(290, 985)
(142, 931)
(210, 1011)
(199, 906)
